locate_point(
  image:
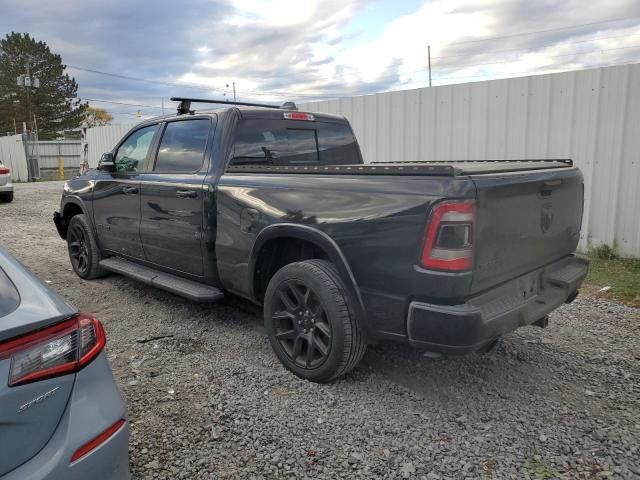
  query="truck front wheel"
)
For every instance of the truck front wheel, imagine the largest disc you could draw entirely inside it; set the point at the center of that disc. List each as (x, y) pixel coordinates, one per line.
(83, 250)
(310, 322)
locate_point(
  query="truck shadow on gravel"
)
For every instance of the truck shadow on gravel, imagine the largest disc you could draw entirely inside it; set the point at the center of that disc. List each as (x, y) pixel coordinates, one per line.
(518, 368)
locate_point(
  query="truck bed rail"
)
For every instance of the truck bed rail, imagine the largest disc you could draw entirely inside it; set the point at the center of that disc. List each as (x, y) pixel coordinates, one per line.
(435, 168)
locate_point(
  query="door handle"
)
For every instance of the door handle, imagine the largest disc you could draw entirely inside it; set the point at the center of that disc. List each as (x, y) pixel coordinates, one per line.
(130, 190)
(186, 194)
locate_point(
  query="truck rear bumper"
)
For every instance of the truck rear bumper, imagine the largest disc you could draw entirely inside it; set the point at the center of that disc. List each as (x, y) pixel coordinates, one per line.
(467, 327)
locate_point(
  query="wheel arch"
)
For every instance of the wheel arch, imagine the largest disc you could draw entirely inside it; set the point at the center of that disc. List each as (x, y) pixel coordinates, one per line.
(68, 210)
(312, 236)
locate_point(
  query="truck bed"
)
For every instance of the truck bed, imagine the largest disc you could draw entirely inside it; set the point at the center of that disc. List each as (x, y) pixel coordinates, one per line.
(435, 168)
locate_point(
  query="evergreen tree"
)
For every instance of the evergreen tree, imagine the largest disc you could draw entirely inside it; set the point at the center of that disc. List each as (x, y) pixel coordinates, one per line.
(54, 103)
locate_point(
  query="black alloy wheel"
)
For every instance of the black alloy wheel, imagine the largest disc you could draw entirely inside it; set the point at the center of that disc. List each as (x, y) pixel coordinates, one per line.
(83, 250)
(78, 249)
(300, 324)
(311, 323)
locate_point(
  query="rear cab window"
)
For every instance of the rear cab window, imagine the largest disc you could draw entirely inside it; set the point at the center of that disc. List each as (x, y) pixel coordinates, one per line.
(9, 296)
(261, 141)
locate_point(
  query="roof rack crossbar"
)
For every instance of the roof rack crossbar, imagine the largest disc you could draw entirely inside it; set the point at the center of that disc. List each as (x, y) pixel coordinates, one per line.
(185, 103)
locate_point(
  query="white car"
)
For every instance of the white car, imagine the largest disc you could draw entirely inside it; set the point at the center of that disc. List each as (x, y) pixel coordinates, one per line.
(6, 186)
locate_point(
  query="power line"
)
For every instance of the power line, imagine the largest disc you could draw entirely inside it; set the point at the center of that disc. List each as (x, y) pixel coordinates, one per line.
(146, 80)
(495, 75)
(121, 103)
(357, 72)
(538, 31)
(476, 65)
(331, 95)
(326, 97)
(354, 72)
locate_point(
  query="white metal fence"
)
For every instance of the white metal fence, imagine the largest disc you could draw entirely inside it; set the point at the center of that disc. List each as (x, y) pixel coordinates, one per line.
(51, 151)
(103, 139)
(13, 156)
(591, 116)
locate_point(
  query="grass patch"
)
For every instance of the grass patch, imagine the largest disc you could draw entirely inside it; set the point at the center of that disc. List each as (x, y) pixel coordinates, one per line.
(621, 274)
(541, 470)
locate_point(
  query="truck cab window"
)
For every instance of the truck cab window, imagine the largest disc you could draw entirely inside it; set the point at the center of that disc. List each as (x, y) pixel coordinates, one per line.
(290, 142)
(133, 151)
(337, 145)
(275, 142)
(182, 146)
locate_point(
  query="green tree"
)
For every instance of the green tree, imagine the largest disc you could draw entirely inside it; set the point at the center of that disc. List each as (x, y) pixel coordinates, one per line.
(54, 103)
(97, 117)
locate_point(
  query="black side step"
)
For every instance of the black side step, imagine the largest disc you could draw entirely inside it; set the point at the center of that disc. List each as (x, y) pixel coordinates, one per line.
(171, 283)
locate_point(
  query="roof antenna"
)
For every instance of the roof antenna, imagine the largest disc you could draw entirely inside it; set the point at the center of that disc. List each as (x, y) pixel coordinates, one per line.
(184, 107)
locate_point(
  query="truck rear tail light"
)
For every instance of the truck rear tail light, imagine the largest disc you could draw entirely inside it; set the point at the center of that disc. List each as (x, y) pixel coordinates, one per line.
(448, 243)
(298, 116)
(58, 350)
(5, 171)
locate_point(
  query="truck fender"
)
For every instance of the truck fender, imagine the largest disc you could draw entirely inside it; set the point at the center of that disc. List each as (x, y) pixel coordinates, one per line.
(321, 240)
(60, 218)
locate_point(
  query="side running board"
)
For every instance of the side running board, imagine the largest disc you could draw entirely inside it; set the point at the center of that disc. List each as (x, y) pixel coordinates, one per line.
(198, 292)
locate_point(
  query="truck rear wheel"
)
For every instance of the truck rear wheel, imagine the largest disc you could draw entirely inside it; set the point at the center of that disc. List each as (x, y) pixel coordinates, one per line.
(83, 249)
(311, 325)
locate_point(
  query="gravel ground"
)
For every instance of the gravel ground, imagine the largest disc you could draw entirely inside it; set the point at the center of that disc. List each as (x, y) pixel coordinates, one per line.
(211, 401)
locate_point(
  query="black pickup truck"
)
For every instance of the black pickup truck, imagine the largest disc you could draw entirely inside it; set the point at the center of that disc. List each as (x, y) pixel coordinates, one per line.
(277, 206)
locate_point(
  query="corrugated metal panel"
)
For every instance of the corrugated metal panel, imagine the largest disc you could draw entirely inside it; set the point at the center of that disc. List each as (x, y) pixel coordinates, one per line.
(103, 139)
(591, 116)
(12, 155)
(51, 151)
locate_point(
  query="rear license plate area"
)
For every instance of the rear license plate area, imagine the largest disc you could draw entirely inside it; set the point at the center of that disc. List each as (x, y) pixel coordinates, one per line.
(529, 285)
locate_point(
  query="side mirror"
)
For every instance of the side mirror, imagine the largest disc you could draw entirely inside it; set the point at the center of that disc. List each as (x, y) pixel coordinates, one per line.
(106, 163)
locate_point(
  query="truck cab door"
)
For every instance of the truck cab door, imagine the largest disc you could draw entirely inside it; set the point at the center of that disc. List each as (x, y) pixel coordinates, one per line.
(172, 196)
(116, 195)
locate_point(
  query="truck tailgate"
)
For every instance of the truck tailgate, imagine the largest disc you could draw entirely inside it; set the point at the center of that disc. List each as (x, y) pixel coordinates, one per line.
(524, 221)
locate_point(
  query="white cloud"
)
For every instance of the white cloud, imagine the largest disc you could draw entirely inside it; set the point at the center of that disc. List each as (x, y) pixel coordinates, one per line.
(311, 48)
(274, 12)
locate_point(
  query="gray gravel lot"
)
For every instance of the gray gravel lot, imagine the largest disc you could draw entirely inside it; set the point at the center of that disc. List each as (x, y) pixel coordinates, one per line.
(212, 401)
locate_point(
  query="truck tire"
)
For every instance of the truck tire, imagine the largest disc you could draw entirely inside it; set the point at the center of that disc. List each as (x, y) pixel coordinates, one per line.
(83, 250)
(7, 197)
(311, 325)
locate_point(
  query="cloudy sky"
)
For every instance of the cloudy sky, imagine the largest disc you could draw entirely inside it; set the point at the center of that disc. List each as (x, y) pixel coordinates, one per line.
(314, 49)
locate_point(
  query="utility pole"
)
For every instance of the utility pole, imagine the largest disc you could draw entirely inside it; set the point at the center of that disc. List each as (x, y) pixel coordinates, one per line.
(429, 57)
(234, 90)
(27, 81)
(27, 84)
(163, 105)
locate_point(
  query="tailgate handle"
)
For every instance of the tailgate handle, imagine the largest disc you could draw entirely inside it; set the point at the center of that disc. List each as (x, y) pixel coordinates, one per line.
(549, 185)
